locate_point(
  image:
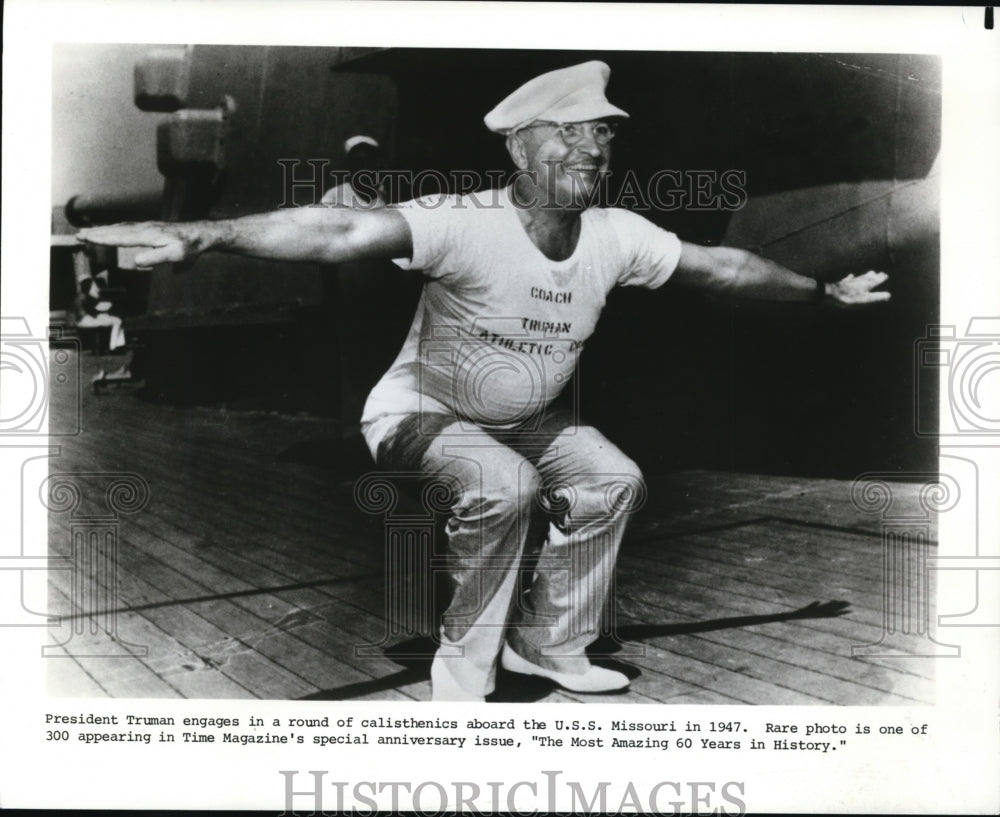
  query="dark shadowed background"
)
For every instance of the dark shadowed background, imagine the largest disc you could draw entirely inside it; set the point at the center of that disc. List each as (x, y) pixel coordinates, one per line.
(838, 153)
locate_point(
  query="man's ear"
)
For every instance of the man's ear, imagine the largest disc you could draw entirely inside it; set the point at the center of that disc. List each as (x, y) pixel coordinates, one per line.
(517, 150)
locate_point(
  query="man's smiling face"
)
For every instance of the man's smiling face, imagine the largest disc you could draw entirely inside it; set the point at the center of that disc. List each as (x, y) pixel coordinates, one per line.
(565, 162)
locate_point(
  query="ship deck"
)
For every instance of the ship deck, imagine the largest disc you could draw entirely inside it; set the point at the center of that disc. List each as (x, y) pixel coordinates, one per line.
(252, 573)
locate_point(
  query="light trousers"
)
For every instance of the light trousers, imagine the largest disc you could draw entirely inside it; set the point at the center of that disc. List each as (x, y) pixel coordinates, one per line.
(536, 517)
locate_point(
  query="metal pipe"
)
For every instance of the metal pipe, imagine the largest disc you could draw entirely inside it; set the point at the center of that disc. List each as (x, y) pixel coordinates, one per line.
(88, 210)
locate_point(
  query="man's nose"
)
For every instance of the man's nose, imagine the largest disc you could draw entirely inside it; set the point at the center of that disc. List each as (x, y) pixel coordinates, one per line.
(588, 145)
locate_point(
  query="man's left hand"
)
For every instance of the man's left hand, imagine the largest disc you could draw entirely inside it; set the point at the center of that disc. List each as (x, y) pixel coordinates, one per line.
(858, 289)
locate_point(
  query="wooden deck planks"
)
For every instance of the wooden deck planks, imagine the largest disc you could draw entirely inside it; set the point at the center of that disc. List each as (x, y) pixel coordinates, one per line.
(118, 675)
(241, 630)
(798, 585)
(250, 576)
(760, 651)
(285, 531)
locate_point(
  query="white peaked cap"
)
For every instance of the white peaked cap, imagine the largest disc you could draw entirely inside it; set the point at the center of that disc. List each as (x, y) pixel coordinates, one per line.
(574, 94)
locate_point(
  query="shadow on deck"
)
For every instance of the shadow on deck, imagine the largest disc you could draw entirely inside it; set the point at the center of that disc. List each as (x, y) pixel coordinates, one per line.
(250, 572)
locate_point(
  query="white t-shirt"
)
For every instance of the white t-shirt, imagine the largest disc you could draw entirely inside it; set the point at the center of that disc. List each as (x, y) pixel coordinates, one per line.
(499, 326)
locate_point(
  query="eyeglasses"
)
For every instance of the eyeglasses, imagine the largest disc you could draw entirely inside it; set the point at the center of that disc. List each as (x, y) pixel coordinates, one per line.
(573, 132)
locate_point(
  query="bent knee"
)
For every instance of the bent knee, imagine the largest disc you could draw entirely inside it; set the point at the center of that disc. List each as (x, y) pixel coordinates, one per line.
(628, 493)
(619, 474)
(501, 492)
(606, 496)
(623, 491)
(629, 471)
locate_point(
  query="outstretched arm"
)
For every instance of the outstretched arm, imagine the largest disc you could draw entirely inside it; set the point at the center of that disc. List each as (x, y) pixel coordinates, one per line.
(741, 273)
(318, 234)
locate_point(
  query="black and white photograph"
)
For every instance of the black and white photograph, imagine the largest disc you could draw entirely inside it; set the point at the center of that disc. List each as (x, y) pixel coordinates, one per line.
(388, 388)
(379, 462)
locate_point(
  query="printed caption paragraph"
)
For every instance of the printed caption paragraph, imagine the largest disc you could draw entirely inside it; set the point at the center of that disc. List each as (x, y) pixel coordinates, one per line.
(821, 735)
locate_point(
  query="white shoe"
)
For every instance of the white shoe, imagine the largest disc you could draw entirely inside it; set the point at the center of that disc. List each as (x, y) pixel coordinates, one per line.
(445, 687)
(595, 679)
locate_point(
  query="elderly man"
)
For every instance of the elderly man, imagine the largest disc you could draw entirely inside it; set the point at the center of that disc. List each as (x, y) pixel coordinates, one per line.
(515, 280)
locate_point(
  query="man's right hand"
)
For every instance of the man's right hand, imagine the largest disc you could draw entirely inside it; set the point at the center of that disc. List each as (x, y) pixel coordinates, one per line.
(168, 242)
